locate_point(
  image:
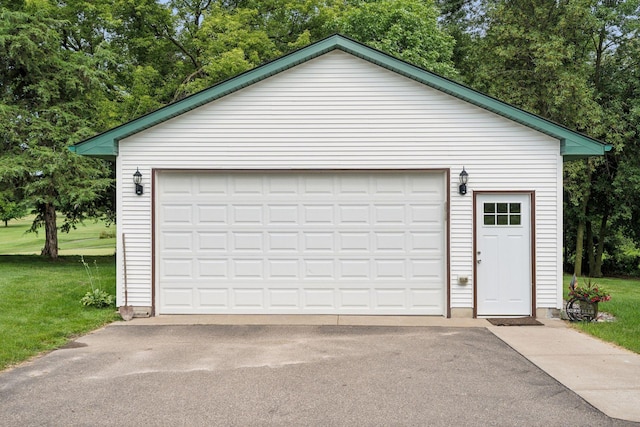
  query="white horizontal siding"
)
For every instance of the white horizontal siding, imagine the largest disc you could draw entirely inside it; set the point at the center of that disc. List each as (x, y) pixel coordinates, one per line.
(341, 112)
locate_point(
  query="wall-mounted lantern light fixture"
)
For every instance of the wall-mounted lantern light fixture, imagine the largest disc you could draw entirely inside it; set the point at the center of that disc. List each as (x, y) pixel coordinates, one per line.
(464, 177)
(137, 180)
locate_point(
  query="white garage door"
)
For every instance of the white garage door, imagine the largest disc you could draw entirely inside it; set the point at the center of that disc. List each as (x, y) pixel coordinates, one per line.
(290, 242)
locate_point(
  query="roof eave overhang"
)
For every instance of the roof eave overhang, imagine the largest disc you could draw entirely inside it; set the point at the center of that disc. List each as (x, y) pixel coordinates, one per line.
(572, 149)
(573, 144)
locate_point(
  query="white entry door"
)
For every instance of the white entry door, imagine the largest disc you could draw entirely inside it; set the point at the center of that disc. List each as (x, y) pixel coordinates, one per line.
(503, 255)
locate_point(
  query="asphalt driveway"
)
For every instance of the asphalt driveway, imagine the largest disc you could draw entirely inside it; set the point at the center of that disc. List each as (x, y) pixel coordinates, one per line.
(288, 375)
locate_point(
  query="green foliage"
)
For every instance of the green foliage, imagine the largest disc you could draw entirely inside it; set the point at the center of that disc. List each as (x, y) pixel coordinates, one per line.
(533, 55)
(39, 308)
(227, 43)
(97, 298)
(589, 291)
(621, 257)
(11, 207)
(404, 28)
(107, 234)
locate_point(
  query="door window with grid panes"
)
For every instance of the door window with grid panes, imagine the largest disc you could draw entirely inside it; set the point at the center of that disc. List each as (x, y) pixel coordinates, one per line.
(502, 214)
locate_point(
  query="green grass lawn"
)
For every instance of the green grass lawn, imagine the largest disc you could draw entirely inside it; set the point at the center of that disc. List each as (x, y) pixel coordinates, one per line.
(40, 302)
(624, 304)
(84, 240)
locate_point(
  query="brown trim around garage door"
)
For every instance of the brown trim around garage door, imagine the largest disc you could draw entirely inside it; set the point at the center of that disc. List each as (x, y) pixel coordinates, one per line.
(447, 214)
(153, 242)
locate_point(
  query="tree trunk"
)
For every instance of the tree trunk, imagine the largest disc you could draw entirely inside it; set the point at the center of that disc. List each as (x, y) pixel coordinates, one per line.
(588, 248)
(597, 269)
(51, 232)
(577, 269)
(582, 220)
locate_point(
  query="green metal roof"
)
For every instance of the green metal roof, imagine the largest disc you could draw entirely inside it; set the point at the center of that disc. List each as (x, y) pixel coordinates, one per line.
(573, 145)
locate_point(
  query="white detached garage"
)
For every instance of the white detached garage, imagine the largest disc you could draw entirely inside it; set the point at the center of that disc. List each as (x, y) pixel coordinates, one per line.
(327, 182)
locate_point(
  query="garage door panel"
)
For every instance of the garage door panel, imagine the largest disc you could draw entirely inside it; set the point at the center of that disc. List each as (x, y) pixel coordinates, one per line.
(424, 299)
(283, 269)
(318, 269)
(246, 215)
(212, 241)
(282, 214)
(282, 241)
(390, 299)
(317, 214)
(247, 268)
(212, 184)
(177, 268)
(177, 214)
(282, 185)
(212, 268)
(355, 299)
(247, 298)
(178, 297)
(425, 214)
(353, 214)
(213, 298)
(177, 241)
(390, 241)
(247, 241)
(179, 185)
(429, 271)
(318, 242)
(319, 299)
(394, 185)
(352, 186)
(354, 241)
(280, 299)
(243, 184)
(390, 214)
(318, 184)
(212, 214)
(354, 269)
(427, 241)
(322, 243)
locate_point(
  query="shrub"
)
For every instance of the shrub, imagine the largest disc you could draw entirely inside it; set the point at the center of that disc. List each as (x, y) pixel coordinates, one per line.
(96, 297)
(107, 234)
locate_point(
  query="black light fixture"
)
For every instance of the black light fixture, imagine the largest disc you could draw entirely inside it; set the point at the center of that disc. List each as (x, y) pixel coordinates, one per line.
(464, 177)
(137, 180)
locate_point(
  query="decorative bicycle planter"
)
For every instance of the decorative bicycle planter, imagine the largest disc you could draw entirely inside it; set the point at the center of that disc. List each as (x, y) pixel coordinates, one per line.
(581, 310)
(583, 301)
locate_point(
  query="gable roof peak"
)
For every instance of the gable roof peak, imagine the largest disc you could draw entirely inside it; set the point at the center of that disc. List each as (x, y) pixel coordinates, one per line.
(573, 145)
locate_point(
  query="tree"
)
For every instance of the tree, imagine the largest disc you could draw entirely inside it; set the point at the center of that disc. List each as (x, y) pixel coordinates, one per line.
(226, 43)
(11, 207)
(404, 28)
(535, 54)
(47, 96)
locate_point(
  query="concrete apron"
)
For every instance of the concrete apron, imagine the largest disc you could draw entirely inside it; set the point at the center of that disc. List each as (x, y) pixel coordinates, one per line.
(308, 320)
(606, 376)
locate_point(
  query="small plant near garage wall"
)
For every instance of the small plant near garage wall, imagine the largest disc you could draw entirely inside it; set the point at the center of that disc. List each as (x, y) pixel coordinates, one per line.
(96, 297)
